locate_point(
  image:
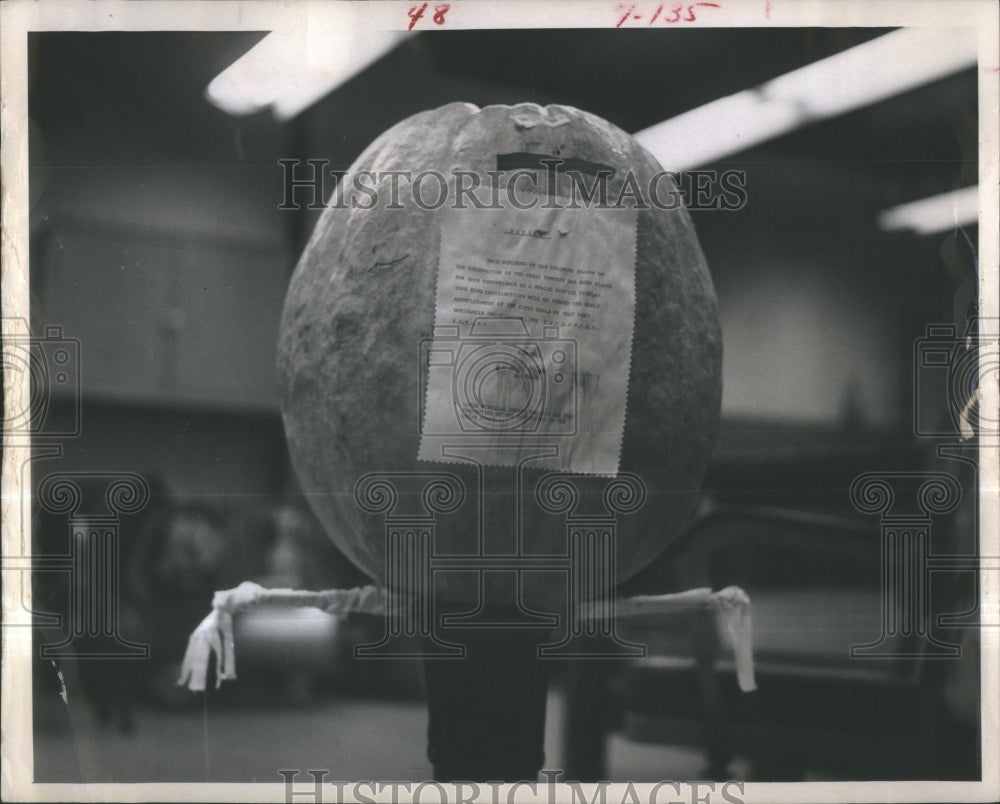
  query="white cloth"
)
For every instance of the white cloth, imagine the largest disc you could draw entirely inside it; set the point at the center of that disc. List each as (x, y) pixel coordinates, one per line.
(214, 635)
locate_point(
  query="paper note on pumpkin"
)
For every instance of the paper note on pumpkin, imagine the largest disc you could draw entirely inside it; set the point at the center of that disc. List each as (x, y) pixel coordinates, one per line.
(529, 359)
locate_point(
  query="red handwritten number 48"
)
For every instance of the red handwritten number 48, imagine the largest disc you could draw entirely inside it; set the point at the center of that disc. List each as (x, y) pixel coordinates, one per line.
(416, 12)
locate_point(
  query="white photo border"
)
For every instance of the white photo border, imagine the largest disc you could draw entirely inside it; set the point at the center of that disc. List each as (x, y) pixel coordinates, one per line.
(21, 17)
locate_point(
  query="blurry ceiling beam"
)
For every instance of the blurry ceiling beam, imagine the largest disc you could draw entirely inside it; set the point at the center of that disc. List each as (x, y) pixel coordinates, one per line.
(862, 75)
(291, 69)
(939, 213)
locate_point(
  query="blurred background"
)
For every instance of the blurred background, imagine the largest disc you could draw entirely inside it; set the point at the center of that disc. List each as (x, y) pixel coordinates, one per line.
(158, 243)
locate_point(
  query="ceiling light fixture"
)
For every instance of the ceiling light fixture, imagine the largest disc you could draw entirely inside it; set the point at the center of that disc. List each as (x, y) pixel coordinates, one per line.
(290, 69)
(939, 213)
(864, 74)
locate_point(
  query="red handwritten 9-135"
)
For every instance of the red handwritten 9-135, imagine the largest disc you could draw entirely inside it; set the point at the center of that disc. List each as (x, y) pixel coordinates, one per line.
(664, 14)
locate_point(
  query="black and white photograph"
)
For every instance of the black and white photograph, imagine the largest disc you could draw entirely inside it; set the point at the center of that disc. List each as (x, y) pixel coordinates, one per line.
(589, 402)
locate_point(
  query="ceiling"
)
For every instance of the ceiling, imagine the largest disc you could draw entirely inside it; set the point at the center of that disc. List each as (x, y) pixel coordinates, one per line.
(109, 97)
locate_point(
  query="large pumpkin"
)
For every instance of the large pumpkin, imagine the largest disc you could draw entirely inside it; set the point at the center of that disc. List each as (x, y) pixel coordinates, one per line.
(362, 301)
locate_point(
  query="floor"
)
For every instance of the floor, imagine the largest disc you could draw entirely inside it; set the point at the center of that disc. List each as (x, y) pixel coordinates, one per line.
(352, 739)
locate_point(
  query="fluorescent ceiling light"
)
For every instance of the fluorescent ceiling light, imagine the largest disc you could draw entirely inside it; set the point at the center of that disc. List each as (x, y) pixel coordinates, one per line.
(865, 74)
(939, 213)
(290, 69)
